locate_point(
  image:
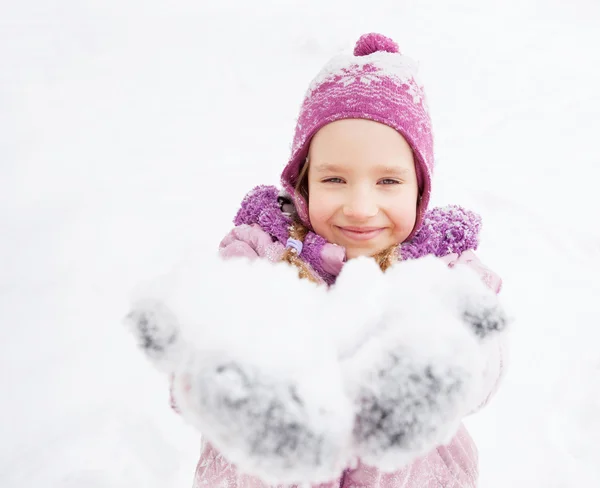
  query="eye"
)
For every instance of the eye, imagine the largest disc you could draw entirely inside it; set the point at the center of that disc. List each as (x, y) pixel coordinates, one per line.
(389, 181)
(333, 180)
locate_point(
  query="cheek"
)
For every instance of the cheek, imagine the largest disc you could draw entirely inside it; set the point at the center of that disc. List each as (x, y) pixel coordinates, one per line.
(403, 214)
(402, 209)
(321, 209)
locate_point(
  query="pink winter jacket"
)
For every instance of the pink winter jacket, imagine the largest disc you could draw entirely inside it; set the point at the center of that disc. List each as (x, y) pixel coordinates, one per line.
(451, 466)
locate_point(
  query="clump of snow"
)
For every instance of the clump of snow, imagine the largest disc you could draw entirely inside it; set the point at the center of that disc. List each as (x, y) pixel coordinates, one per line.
(419, 371)
(258, 376)
(381, 366)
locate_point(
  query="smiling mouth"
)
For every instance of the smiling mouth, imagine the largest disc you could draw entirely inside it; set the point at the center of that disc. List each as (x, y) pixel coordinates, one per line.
(360, 233)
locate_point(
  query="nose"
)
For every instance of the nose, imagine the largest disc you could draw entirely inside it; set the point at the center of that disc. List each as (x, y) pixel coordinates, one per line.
(360, 205)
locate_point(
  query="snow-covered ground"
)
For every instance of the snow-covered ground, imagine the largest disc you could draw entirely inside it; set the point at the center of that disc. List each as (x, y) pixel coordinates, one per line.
(129, 133)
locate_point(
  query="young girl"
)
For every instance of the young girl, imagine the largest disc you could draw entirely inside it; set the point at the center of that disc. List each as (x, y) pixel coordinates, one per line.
(358, 183)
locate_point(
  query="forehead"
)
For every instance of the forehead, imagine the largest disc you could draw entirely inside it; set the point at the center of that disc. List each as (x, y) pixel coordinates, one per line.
(349, 141)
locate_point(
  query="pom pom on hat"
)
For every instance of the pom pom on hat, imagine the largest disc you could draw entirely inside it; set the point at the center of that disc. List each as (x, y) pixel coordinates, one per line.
(370, 43)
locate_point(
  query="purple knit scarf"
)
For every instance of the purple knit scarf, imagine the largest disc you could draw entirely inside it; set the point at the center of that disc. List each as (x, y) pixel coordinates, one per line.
(445, 230)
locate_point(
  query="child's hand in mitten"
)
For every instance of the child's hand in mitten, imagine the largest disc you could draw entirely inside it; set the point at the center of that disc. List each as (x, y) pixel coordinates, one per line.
(414, 375)
(253, 368)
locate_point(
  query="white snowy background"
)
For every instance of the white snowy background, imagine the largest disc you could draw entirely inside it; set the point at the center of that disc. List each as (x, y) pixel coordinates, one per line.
(129, 131)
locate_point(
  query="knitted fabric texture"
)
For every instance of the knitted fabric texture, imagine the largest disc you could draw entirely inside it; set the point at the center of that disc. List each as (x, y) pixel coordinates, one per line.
(377, 83)
(260, 206)
(445, 230)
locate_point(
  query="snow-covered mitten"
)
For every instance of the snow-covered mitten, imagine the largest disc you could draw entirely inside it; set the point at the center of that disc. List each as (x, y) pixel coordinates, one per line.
(253, 371)
(415, 374)
(157, 332)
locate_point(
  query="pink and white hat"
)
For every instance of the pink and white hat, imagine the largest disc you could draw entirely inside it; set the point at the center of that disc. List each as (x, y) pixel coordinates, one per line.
(377, 83)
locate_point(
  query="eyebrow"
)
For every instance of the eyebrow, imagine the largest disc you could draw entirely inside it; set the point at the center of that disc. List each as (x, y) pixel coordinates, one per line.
(383, 168)
(393, 170)
(328, 168)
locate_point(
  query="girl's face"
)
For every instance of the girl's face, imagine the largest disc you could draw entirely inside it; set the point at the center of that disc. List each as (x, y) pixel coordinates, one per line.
(362, 186)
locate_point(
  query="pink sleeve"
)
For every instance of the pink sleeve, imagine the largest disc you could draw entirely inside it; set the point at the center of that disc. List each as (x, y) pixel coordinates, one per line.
(250, 241)
(496, 347)
(491, 279)
(214, 470)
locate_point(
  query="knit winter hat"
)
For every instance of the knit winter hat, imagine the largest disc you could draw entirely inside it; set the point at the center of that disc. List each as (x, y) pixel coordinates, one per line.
(377, 83)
